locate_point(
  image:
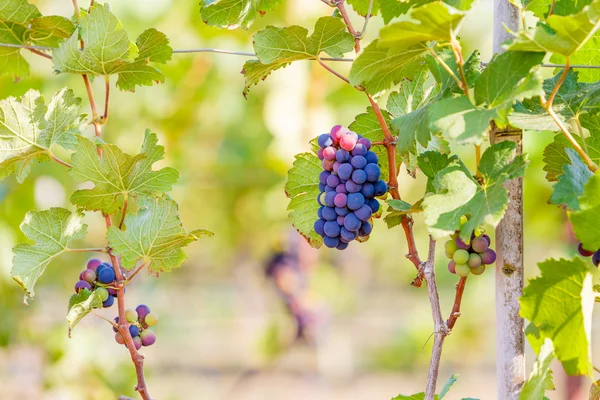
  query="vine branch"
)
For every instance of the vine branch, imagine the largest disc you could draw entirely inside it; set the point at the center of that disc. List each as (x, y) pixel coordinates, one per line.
(341, 6)
(455, 313)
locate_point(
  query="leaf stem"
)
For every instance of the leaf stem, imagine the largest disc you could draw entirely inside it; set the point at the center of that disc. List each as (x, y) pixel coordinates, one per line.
(77, 12)
(91, 250)
(460, 61)
(106, 319)
(558, 84)
(477, 160)
(446, 67)
(552, 8)
(367, 18)
(106, 97)
(137, 271)
(455, 313)
(125, 203)
(328, 68)
(58, 160)
(580, 130)
(341, 6)
(39, 53)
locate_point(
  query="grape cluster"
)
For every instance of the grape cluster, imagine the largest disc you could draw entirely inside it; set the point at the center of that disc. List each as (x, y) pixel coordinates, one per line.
(469, 258)
(97, 277)
(586, 253)
(140, 320)
(348, 187)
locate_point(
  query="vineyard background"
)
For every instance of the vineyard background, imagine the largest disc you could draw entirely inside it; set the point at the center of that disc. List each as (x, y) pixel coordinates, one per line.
(224, 331)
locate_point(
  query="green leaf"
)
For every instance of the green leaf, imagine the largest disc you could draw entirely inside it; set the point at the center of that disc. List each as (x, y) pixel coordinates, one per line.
(540, 378)
(570, 185)
(588, 54)
(302, 188)
(234, 13)
(431, 163)
(52, 230)
(433, 21)
(14, 16)
(153, 46)
(410, 96)
(417, 396)
(80, 305)
(584, 221)
(117, 175)
(391, 9)
(154, 237)
(560, 304)
(278, 47)
(29, 129)
(50, 31)
(378, 68)
(459, 194)
(448, 386)
(563, 35)
(362, 6)
(398, 209)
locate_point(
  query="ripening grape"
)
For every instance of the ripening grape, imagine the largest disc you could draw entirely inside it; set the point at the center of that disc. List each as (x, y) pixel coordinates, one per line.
(596, 258)
(148, 337)
(462, 245)
(450, 247)
(584, 252)
(109, 301)
(93, 264)
(142, 310)
(88, 275)
(102, 293)
(119, 338)
(474, 256)
(479, 270)
(488, 257)
(474, 260)
(452, 267)
(134, 330)
(461, 256)
(479, 244)
(462, 270)
(347, 188)
(81, 285)
(106, 275)
(131, 315)
(151, 319)
(137, 341)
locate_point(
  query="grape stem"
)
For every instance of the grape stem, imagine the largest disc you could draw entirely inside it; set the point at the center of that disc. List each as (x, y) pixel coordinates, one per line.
(92, 250)
(341, 6)
(137, 271)
(455, 313)
(123, 326)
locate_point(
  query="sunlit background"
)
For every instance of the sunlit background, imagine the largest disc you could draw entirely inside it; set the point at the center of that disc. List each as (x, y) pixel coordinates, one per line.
(224, 331)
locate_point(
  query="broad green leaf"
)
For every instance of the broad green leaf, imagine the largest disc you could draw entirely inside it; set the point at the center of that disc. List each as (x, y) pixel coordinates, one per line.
(410, 96)
(153, 46)
(116, 175)
(52, 231)
(277, 47)
(398, 209)
(378, 68)
(560, 304)
(50, 31)
(570, 184)
(391, 9)
(29, 129)
(540, 378)
(541, 8)
(448, 385)
(584, 220)
(563, 35)
(431, 163)
(447, 84)
(362, 6)
(234, 13)
(153, 237)
(588, 54)
(80, 305)
(433, 21)
(302, 189)
(458, 194)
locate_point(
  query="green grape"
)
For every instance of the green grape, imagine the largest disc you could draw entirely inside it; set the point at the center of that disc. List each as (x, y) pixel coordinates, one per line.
(451, 247)
(102, 292)
(474, 260)
(479, 270)
(461, 256)
(131, 315)
(151, 319)
(462, 270)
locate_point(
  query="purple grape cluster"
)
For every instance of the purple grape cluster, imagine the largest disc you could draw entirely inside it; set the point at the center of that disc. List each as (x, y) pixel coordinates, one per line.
(587, 253)
(348, 187)
(140, 320)
(98, 277)
(469, 258)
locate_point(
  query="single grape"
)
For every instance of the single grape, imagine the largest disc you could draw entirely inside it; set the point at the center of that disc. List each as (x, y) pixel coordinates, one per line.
(340, 220)
(336, 166)
(131, 315)
(347, 235)
(106, 275)
(329, 197)
(338, 132)
(329, 213)
(360, 149)
(333, 181)
(323, 177)
(321, 198)
(349, 141)
(380, 188)
(365, 229)
(111, 291)
(474, 260)
(342, 246)
(355, 201)
(353, 187)
(320, 212)
(462, 245)
(584, 252)
(151, 319)
(358, 162)
(137, 341)
(88, 275)
(596, 258)
(148, 337)
(325, 140)
(373, 172)
(452, 267)
(345, 171)
(81, 285)
(488, 257)
(352, 223)
(374, 204)
(368, 190)
(134, 330)
(331, 242)
(364, 212)
(108, 302)
(142, 310)
(365, 142)
(341, 188)
(359, 176)
(116, 322)
(462, 270)
(102, 293)
(329, 153)
(340, 200)
(329, 189)
(461, 256)
(327, 164)
(321, 188)
(332, 229)
(93, 264)
(119, 338)
(320, 154)
(342, 211)
(342, 155)
(479, 270)
(486, 237)
(101, 267)
(371, 157)
(479, 244)
(450, 247)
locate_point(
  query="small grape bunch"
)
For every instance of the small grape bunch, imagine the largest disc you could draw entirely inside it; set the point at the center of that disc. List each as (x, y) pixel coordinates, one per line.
(587, 253)
(96, 277)
(348, 187)
(469, 258)
(140, 320)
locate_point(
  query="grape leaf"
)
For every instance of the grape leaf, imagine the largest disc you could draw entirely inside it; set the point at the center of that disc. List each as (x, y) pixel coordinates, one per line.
(52, 230)
(153, 46)
(411, 94)
(278, 47)
(431, 163)
(398, 209)
(508, 78)
(391, 9)
(570, 184)
(50, 31)
(584, 220)
(117, 175)
(29, 129)
(458, 194)
(541, 8)
(588, 54)
(234, 13)
(560, 304)
(416, 396)
(560, 34)
(302, 188)
(540, 378)
(154, 237)
(362, 6)
(448, 385)
(433, 21)
(80, 305)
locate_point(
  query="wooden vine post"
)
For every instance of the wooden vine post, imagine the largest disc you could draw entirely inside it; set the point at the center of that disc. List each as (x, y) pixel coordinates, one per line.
(510, 338)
